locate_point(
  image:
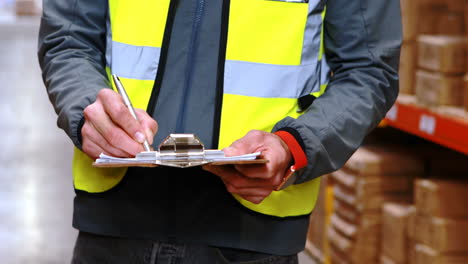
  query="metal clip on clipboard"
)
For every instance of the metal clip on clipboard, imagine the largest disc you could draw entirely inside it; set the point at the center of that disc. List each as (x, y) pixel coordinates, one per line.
(181, 151)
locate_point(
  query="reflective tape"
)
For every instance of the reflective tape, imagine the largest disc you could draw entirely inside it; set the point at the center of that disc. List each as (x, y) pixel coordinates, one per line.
(324, 71)
(312, 33)
(134, 62)
(270, 80)
(241, 78)
(108, 43)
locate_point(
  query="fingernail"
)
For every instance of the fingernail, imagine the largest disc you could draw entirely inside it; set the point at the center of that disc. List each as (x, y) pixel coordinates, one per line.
(228, 151)
(150, 136)
(140, 137)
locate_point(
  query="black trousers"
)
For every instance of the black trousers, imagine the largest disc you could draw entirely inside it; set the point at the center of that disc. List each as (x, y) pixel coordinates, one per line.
(91, 249)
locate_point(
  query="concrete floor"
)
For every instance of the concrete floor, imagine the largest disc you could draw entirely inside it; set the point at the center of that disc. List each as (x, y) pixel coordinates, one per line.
(36, 191)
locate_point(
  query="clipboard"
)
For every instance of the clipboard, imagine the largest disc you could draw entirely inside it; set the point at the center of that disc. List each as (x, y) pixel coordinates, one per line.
(180, 151)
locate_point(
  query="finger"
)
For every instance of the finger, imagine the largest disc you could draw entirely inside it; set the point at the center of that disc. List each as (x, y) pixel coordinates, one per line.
(120, 114)
(250, 143)
(230, 176)
(113, 134)
(253, 199)
(90, 132)
(262, 171)
(149, 125)
(277, 156)
(221, 171)
(91, 149)
(255, 191)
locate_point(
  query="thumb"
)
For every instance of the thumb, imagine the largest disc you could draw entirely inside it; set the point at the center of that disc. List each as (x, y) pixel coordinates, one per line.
(148, 124)
(247, 144)
(231, 151)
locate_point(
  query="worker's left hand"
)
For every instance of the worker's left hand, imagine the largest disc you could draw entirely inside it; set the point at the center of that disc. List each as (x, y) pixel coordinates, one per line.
(255, 182)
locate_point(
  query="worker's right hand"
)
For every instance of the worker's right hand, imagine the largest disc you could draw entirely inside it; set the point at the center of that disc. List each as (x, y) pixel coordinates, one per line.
(109, 127)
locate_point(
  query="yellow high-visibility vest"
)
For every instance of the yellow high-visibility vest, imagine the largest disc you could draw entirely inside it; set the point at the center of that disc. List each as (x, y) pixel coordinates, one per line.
(273, 56)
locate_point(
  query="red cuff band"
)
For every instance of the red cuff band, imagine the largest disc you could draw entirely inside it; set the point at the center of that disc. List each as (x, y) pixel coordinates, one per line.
(299, 156)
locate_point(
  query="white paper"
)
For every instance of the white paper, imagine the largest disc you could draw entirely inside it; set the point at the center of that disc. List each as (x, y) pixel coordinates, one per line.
(154, 157)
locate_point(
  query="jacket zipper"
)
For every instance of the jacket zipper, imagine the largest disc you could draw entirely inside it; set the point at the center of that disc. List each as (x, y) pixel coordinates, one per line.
(193, 47)
(220, 73)
(163, 57)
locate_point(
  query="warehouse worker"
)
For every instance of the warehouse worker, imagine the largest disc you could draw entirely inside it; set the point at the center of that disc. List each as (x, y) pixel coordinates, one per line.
(243, 75)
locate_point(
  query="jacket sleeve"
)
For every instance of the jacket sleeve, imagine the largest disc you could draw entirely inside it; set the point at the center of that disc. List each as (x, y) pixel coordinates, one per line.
(72, 43)
(362, 41)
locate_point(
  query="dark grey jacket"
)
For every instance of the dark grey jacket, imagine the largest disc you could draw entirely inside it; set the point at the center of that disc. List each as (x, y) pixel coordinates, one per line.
(362, 45)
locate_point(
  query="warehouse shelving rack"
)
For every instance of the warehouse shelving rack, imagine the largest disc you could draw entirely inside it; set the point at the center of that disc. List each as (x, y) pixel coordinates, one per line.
(443, 129)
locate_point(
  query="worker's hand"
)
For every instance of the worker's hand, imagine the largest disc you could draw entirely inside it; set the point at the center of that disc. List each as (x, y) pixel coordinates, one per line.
(109, 127)
(255, 182)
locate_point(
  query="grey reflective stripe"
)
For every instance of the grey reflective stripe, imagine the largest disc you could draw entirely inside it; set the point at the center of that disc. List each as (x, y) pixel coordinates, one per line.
(108, 41)
(270, 80)
(134, 62)
(312, 34)
(324, 71)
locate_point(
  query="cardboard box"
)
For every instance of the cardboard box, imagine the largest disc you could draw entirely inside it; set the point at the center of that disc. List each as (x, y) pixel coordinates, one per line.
(442, 5)
(466, 17)
(386, 260)
(441, 22)
(426, 255)
(27, 8)
(338, 257)
(450, 23)
(444, 54)
(319, 220)
(382, 160)
(321, 204)
(355, 253)
(407, 70)
(395, 231)
(428, 17)
(427, 20)
(442, 234)
(441, 198)
(412, 224)
(411, 252)
(367, 186)
(452, 112)
(348, 212)
(465, 87)
(434, 89)
(409, 19)
(364, 203)
(315, 253)
(365, 232)
(358, 203)
(317, 231)
(454, 5)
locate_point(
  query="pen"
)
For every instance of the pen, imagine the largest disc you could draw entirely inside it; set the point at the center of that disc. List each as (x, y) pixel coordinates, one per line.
(129, 105)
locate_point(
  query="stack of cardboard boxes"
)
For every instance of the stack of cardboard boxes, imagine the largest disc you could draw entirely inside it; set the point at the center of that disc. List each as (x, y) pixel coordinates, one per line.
(439, 228)
(395, 236)
(465, 92)
(28, 7)
(442, 46)
(434, 51)
(409, 14)
(317, 239)
(441, 17)
(372, 176)
(441, 62)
